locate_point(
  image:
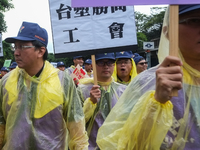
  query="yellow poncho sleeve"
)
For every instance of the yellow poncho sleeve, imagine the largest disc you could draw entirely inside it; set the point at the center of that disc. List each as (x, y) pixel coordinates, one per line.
(88, 109)
(137, 119)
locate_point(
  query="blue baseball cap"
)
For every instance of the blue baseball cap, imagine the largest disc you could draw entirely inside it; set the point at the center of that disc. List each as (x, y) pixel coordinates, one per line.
(124, 54)
(4, 69)
(78, 57)
(88, 61)
(105, 56)
(60, 64)
(187, 8)
(30, 32)
(137, 58)
(13, 65)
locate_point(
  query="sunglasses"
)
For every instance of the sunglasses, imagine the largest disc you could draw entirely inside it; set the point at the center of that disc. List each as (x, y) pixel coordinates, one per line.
(193, 21)
(103, 63)
(143, 63)
(120, 62)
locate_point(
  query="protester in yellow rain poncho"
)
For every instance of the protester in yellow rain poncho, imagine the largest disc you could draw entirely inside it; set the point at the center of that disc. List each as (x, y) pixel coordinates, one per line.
(140, 62)
(40, 108)
(78, 60)
(99, 99)
(125, 69)
(146, 117)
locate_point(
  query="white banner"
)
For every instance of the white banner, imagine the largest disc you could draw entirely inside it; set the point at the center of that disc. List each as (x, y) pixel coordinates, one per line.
(91, 28)
(1, 46)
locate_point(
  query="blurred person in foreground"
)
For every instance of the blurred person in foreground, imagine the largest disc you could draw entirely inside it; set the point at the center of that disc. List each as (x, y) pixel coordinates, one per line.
(140, 62)
(99, 99)
(40, 108)
(146, 115)
(125, 69)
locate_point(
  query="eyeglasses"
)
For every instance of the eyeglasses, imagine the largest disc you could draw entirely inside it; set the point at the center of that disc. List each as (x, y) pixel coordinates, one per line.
(143, 63)
(103, 63)
(193, 22)
(20, 47)
(123, 62)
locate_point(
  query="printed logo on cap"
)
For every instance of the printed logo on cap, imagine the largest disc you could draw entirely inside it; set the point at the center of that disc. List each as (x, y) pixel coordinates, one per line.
(122, 52)
(39, 37)
(22, 28)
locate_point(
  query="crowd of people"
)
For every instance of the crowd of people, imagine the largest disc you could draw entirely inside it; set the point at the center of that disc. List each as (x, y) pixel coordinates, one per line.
(130, 107)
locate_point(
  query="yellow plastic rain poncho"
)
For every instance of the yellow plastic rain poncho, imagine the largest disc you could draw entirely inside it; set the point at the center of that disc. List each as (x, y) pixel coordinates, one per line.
(133, 73)
(41, 113)
(95, 114)
(139, 122)
(71, 69)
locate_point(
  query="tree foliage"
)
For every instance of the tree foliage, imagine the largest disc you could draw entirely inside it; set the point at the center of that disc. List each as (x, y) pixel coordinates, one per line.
(5, 5)
(7, 53)
(149, 25)
(67, 61)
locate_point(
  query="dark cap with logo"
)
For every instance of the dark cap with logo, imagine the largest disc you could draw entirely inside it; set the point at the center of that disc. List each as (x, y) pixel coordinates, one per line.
(30, 32)
(13, 65)
(137, 58)
(88, 61)
(60, 64)
(77, 57)
(124, 54)
(105, 56)
(4, 69)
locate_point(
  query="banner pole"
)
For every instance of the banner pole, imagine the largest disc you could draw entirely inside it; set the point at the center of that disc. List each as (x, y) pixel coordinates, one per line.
(173, 35)
(94, 69)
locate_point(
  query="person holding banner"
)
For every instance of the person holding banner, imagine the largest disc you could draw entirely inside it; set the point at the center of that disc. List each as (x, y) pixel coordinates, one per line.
(147, 115)
(78, 60)
(40, 108)
(125, 69)
(99, 99)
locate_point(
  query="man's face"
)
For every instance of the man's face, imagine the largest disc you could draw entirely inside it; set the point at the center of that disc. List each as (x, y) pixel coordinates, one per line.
(105, 68)
(141, 66)
(88, 67)
(3, 73)
(26, 58)
(189, 36)
(78, 61)
(62, 68)
(124, 66)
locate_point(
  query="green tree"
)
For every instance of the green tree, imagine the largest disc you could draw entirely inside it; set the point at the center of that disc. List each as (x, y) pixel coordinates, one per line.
(68, 61)
(153, 27)
(140, 20)
(141, 37)
(150, 25)
(5, 5)
(7, 53)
